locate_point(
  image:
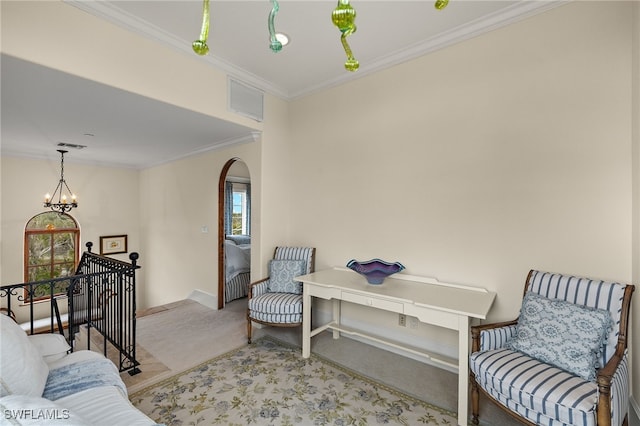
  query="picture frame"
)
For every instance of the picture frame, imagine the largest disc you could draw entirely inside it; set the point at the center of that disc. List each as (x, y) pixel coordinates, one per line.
(113, 244)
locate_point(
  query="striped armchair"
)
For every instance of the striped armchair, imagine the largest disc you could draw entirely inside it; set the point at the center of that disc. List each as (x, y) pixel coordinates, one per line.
(277, 299)
(541, 393)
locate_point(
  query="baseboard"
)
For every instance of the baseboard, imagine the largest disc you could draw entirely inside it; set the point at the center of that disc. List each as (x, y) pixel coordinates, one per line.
(634, 412)
(207, 299)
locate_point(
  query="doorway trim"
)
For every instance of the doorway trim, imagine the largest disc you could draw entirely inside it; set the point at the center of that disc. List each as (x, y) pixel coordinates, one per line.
(221, 235)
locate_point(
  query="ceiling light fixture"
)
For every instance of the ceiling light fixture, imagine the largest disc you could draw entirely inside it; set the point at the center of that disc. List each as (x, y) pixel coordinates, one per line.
(282, 38)
(343, 17)
(63, 205)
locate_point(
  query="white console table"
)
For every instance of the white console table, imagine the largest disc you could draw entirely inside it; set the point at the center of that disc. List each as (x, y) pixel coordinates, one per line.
(432, 302)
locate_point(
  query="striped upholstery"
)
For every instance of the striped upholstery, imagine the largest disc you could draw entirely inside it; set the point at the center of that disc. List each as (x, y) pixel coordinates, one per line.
(237, 287)
(277, 307)
(542, 393)
(620, 391)
(296, 253)
(280, 308)
(496, 338)
(537, 387)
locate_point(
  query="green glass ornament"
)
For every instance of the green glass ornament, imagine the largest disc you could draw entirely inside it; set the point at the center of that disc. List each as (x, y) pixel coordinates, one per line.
(441, 4)
(344, 17)
(200, 46)
(275, 44)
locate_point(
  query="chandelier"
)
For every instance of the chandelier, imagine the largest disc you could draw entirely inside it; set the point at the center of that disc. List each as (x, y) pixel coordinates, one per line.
(62, 205)
(343, 17)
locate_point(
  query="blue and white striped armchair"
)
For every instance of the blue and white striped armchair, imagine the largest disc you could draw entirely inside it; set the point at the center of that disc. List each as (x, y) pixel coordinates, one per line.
(520, 365)
(277, 299)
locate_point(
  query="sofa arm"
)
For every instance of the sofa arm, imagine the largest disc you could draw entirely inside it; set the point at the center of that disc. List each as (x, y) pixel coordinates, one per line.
(613, 390)
(492, 336)
(52, 347)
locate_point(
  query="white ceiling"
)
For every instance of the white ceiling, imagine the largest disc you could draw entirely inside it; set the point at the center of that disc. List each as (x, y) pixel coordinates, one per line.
(133, 131)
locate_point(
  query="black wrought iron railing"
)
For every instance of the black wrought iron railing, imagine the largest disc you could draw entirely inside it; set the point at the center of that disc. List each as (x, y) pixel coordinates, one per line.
(101, 295)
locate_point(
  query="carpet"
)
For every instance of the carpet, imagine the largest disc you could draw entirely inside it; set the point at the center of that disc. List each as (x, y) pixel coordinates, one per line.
(269, 383)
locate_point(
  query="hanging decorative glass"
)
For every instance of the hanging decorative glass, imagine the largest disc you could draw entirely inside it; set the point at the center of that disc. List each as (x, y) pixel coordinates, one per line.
(200, 46)
(344, 17)
(441, 4)
(275, 45)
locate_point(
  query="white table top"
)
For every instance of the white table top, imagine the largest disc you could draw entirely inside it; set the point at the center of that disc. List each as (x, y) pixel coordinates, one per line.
(473, 302)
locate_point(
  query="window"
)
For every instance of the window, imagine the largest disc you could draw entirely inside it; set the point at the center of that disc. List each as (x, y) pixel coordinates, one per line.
(239, 212)
(51, 251)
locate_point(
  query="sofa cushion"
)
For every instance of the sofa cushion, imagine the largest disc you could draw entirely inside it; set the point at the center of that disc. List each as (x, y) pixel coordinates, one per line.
(105, 406)
(23, 370)
(37, 411)
(282, 274)
(560, 333)
(52, 347)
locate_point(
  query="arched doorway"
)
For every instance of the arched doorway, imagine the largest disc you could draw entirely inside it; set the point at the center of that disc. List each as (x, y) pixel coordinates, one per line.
(233, 170)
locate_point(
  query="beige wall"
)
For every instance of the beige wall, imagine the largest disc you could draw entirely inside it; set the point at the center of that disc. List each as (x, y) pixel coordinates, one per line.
(473, 164)
(476, 163)
(108, 205)
(118, 57)
(635, 335)
(177, 200)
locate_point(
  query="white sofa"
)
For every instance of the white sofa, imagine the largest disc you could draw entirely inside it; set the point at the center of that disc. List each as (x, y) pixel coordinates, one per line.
(42, 384)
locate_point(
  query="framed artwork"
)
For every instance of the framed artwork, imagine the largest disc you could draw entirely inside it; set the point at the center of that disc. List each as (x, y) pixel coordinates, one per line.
(113, 244)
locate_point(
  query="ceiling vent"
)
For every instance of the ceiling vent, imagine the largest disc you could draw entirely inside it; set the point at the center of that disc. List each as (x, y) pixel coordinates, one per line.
(71, 145)
(245, 100)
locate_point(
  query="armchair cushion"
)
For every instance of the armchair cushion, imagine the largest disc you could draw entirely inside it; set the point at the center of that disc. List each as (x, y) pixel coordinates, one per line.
(277, 308)
(282, 274)
(538, 391)
(562, 334)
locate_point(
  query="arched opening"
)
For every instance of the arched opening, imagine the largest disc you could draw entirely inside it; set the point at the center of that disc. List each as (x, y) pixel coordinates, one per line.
(234, 223)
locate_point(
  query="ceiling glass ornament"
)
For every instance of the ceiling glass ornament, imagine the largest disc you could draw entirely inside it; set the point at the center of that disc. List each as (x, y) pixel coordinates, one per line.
(275, 45)
(344, 17)
(441, 4)
(200, 46)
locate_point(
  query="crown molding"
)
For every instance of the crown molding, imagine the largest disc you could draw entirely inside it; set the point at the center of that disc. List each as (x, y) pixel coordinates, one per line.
(472, 29)
(123, 19)
(499, 19)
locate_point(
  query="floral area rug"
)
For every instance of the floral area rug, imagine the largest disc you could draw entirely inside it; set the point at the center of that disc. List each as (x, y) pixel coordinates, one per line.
(269, 383)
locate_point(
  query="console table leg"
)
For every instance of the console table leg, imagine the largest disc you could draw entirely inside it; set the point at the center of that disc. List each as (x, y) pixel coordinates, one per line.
(306, 322)
(336, 317)
(463, 369)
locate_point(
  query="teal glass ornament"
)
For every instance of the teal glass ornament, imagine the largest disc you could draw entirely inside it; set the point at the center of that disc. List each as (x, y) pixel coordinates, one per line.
(275, 44)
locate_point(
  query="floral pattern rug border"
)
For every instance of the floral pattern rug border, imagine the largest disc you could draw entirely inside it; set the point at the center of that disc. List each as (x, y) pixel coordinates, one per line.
(269, 383)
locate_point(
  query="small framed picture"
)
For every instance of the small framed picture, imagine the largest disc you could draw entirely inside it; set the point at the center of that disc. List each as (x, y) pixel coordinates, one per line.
(113, 244)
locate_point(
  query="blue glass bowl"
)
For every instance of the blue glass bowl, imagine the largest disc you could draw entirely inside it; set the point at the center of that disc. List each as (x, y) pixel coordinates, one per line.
(375, 270)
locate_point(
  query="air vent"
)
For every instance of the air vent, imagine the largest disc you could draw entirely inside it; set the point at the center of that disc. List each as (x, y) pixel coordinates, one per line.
(245, 100)
(71, 145)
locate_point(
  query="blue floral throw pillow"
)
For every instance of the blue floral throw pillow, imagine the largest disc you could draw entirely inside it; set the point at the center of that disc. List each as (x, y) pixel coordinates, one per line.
(281, 274)
(563, 334)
